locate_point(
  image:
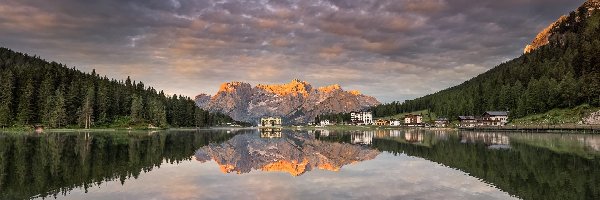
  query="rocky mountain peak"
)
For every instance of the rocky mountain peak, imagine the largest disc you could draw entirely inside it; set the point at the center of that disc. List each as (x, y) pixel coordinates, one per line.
(354, 92)
(296, 101)
(330, 88)
(543, 38)
(232, 86)
(294, 87)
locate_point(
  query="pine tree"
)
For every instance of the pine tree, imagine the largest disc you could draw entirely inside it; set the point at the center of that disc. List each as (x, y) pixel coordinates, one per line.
(102, 104)
(58, 116)
(136, 109)
(45, 99)
(6, 98)
(568, 87)
(24, 112)
(157, 113)
(86, 112)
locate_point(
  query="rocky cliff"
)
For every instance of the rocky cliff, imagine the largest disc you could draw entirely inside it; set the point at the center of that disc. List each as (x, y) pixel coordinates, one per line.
(543, 37)
(296, 102)
(294, 153)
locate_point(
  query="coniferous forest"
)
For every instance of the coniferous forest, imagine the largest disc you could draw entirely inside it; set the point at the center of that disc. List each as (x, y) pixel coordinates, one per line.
(563, 74)
(34, 91)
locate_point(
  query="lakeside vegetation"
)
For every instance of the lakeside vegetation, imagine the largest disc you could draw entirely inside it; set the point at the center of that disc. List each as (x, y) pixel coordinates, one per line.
(572, 116)
(563, 74)
(35, 91)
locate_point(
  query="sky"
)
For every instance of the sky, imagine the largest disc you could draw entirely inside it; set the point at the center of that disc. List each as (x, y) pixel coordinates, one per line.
(393, 50)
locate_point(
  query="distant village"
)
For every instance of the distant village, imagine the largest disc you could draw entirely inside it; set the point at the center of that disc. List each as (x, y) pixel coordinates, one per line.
(365, 118)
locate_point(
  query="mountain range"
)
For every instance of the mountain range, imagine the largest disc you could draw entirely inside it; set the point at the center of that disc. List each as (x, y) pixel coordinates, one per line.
(296, 101)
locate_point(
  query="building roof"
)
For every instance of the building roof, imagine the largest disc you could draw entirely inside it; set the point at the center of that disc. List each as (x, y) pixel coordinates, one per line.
(466, 117)
(497, 113)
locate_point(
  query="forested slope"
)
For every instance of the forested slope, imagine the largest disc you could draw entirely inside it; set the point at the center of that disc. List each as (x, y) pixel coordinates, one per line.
(562, 74)
(34, 91)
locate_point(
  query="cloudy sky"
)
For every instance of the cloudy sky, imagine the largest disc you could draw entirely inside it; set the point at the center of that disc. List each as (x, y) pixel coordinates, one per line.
(390, 49)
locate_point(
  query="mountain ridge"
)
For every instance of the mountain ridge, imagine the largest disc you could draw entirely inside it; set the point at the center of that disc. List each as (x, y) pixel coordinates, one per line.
(297, 101)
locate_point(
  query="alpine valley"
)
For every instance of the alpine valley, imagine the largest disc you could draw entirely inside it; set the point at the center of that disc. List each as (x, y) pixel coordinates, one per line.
(296, 101)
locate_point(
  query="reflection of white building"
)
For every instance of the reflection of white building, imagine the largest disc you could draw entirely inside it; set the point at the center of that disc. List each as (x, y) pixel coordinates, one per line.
(270, 133)
(365, 137)
(324, 133)
(414, 137)
(485, 137)
(395, 133)
(361, 118)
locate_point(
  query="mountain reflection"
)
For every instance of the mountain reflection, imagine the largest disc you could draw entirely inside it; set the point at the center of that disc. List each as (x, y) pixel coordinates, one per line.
(273, 150)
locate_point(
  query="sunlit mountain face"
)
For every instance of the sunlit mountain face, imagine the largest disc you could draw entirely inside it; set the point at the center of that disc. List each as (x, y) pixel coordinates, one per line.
(273, 150)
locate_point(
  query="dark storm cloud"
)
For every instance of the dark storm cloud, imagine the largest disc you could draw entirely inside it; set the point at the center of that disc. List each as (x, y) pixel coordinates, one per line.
(392, 49)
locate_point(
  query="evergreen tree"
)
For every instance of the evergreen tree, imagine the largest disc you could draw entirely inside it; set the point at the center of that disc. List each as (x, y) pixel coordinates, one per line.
(136, 109)
(58, 116)
(25, 110)
(86, 112)
(45, 98)
(6, 98)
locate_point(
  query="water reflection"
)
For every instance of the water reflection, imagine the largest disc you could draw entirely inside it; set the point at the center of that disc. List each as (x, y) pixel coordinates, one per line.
(537, 166)
(55, 163)
(291, 152)
(373, 164)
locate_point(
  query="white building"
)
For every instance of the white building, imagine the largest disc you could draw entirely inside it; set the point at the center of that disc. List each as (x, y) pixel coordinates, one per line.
(413, 120)
(394, 122)
(325, 122)
(495, 118)
(361, 118)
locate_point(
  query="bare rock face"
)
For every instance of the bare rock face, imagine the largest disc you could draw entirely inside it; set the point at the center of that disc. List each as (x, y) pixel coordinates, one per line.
(592, 118)
(294, 153)
(295, 102)
(544, 37)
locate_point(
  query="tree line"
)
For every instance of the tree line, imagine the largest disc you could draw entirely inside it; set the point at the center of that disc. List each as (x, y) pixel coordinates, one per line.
(563, 74)
(34, 91)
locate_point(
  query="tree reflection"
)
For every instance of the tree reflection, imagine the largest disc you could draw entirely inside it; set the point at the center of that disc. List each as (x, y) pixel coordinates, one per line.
(55, 163)
(532, 168)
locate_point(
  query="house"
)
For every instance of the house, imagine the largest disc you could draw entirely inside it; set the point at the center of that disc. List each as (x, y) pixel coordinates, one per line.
(325, 122)
(441, 122)
(395, 122)
(361, 118)
(382, 122)
(413, 120)
(270, 122)
(495, 118)
(467, 121)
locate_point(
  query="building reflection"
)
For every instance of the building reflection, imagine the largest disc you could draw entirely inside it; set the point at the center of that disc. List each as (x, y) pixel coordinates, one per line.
(270, 133)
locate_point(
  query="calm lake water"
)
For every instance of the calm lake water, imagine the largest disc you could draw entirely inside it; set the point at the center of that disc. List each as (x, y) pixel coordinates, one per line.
(304, 164)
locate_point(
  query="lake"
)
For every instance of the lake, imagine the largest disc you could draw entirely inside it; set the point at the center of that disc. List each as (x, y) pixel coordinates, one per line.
(299, 164)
